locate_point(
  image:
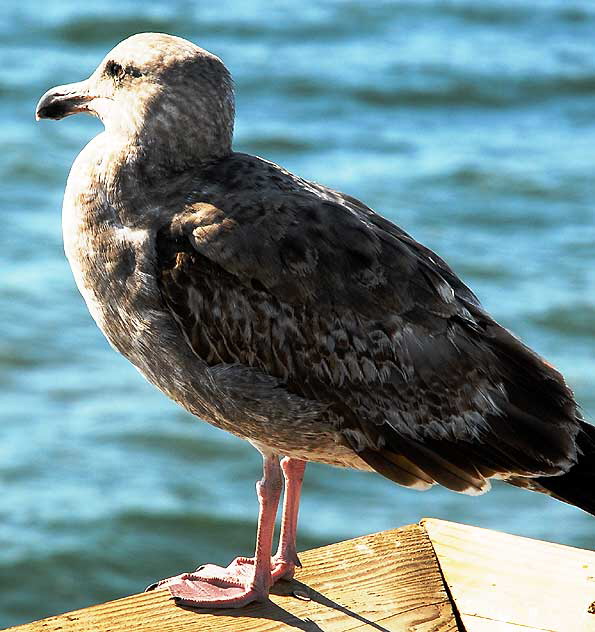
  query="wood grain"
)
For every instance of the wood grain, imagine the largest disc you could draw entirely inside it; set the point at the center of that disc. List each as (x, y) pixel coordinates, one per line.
(388, 581)
(501, 582)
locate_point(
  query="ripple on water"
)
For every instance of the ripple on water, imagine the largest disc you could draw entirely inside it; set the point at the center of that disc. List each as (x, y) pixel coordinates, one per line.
(576, 320)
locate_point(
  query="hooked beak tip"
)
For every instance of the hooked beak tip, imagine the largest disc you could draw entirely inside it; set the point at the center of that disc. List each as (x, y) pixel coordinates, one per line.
(62, 101)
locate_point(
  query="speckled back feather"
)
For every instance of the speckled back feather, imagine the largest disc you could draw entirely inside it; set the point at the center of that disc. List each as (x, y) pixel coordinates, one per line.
(312, 287)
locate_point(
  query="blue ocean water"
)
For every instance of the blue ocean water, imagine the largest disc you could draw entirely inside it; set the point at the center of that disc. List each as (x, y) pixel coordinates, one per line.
(471, 125)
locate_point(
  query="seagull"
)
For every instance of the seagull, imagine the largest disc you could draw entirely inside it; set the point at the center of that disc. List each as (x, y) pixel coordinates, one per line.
(291, 315)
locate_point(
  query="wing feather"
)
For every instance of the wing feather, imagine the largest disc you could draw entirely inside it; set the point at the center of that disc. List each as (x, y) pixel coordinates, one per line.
(315, 289)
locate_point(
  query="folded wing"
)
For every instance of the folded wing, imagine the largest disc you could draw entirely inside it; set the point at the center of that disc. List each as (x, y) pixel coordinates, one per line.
(344, 308)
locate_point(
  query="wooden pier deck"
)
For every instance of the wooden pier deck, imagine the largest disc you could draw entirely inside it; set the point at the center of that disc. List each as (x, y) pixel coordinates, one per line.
(433, 577)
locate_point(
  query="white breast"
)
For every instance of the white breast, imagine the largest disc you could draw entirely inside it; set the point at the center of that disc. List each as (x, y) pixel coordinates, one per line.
(97, 248)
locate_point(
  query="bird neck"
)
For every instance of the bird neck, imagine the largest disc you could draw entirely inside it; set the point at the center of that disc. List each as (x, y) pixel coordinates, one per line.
(137, 177)
(162, 154)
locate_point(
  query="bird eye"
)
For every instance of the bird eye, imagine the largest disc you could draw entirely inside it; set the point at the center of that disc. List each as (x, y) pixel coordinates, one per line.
(135, 72)
(116, 71)
(113, 69)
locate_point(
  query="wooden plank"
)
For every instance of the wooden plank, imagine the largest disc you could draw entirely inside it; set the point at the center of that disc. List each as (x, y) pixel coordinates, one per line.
(501, 582)
(385, 582)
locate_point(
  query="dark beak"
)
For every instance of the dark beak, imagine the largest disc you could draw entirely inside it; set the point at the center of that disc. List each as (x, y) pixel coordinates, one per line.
(63, 101)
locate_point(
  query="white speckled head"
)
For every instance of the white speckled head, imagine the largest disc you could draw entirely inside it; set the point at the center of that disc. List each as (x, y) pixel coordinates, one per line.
(156, 90)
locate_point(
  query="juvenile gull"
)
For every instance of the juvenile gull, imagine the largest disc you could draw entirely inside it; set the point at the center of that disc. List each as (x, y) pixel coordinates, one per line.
(289, 314)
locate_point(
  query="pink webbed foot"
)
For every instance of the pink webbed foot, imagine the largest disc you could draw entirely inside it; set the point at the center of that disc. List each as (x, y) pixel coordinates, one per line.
(213, 586)
(229, 587)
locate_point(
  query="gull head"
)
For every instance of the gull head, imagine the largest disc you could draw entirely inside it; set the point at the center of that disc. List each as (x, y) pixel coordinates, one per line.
(157, 91)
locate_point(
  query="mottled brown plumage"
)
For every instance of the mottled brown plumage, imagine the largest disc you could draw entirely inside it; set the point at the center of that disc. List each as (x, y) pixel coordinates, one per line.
(314, 289)
(289, 314)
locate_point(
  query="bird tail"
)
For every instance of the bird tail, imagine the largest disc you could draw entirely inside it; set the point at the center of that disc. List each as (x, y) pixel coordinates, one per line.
(577, 486)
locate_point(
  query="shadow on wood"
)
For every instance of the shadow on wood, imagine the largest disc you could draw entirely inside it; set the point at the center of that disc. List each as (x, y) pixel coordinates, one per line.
(385, 583)
(434, 577)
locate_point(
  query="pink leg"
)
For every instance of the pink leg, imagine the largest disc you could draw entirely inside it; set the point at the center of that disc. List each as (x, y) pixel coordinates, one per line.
(286, 558)
(239, 583)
